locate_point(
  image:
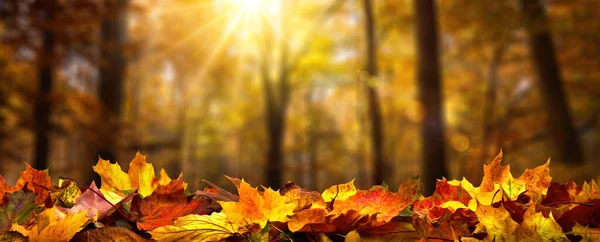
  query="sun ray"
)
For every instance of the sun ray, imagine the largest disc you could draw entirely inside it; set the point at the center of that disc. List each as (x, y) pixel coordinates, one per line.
(228, 31)
(151, 60)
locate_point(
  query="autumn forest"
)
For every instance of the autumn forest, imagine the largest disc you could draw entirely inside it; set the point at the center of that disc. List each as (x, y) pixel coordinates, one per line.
(316, 92)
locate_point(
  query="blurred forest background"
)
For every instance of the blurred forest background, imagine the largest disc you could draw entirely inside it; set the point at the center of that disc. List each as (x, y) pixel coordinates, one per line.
(314, 91)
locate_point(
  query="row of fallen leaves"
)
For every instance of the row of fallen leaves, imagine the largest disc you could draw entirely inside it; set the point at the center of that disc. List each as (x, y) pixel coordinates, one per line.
(138, 206)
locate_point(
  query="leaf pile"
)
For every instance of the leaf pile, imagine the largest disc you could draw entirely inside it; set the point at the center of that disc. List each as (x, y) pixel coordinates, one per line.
(139, 206)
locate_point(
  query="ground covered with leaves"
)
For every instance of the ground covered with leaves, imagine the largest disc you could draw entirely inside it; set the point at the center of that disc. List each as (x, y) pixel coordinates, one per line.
(139, 206)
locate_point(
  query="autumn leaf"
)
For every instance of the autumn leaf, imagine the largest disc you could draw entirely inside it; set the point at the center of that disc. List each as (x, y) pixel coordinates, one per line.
(377, 201)
(494, 173)
(116, 234)
(339, 192)
(446, 224)
(362, 211)
(537, 227)
(585, 214)
(139, 177)
(444, 192)
(561, 193)
(254, 208)
(67, 193)
(37, 181)
(18, 207)
(96, 206)
(496, 222)
(193, 227)
(5, 188)
(302, 198)
(53, 225)
(584, 233)
(217, 193)
(167, 203)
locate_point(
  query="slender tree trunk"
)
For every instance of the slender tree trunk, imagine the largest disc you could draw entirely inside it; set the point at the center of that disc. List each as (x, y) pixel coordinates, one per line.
(43, 104)
(559, 121)
(430, 95)
(274, 137)
(373, 99)
(113, 67)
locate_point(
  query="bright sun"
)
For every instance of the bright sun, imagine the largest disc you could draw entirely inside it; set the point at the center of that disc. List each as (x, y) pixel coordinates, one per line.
(251, 6)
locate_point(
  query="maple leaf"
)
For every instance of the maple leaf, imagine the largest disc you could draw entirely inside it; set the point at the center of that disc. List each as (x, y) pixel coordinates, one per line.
(446, 224)
(363, 210)
(140, 177)
(339, 192)
(37, 181)
(299, 196)
(500, 226)
(18, 207)
(537, 227)
(444, 192)
(5, 188)
(496, 222)
(193, 227)
(166, 203)
(559, 194)
(53, 225)
(496, 176)
(379, 201)
(319, 220)
(254, 208)
(584, 214)
(96, 206)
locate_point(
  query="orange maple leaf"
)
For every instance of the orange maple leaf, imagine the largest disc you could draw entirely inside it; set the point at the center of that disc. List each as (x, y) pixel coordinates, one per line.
(256, 209)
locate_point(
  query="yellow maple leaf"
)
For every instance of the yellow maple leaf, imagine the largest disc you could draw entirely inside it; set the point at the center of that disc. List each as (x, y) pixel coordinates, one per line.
(140, 176)
(497, 223)
(254, 208)
(498, 177)
(193, 227)
(339, 192)
(537, 227)
(53, 225)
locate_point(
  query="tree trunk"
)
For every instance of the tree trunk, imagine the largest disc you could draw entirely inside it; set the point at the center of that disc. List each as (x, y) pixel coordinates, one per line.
(559, 121)
(43, 105)
(428, 76)
(113, 66)
(274, 124)
(373, 100)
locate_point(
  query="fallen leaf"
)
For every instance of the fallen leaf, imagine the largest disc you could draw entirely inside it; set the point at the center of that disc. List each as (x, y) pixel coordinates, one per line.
(193, 227)
(139, 177)
(116, 234)
(53, 225)
(254, 208)
(37, 181)
(339, 192)
(165, 205)
(18, 207)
